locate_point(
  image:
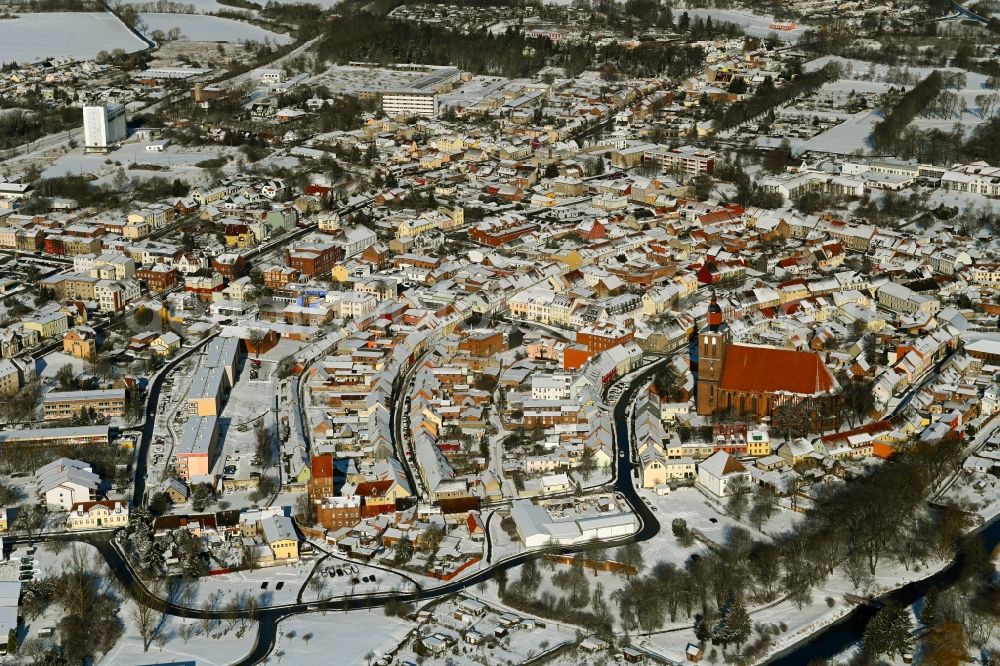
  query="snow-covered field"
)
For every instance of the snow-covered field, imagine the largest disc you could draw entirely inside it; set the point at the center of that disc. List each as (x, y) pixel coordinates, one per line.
(844, 139)
(180, 160)
(220, 646)
(338, 638)
(226, 587)
(864, 77)
(80, 35)
(202, 28)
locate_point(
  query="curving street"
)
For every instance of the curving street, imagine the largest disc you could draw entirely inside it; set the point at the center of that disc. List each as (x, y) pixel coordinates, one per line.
(268, 618)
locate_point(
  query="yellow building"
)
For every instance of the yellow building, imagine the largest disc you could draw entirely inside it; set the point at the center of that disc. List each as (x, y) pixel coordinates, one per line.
(279, 534)
(758, 443)
(80, 343)
(205, 394)
(47, 325)
(166, 344)
(105, 514)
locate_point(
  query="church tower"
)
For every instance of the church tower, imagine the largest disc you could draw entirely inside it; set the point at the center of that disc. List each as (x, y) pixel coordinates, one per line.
(712, 342)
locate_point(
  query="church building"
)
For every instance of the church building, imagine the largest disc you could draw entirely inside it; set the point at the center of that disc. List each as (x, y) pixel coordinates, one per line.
(751, 380)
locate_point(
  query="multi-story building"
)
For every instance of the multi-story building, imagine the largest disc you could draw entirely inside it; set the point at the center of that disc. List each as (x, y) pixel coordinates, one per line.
(47, 324)
(114, 295)
(158, 277)
(410, 103)
(335, 513)
(71, 285)
(64, 482)
(204, 397)
(65, 404)
(103, 126)
(602, 336)
(106, 514)
(198, 445)
(80, 342)
(313, 259)
(687, 160)
(901, 299)
(11, 377)
(204, 286)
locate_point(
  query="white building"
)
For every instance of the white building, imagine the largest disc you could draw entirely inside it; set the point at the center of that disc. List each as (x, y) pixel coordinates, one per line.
(550, 387)
(410, 103)
(720, 472)
(65, 482)
(536, 527)
(103, 126)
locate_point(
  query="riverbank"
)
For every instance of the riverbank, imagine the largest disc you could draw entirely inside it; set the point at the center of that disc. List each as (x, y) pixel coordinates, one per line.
(838, 634)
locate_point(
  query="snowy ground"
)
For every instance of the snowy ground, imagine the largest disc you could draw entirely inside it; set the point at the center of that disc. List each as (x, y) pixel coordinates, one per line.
(701, 514)
(48, 366)
(225, 587)
(867, 78)
(338, 638)
(202, 28)
(330, 585)
(80, 35)
(222, 644)
(179, 160)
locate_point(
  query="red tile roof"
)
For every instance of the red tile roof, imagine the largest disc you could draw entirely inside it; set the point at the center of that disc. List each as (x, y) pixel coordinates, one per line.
(373, 488)
(322, 466)
(772, 370)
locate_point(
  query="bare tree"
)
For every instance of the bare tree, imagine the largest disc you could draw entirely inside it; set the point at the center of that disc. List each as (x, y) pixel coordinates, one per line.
(256, 336)
(147, 620)
(30, 520)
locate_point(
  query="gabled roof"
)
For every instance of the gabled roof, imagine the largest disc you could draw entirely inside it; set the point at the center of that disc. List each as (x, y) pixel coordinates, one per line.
(772, 370)
(721, 464)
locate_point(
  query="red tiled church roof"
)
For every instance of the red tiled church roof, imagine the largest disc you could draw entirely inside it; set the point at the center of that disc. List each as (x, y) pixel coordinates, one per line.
(772, 370)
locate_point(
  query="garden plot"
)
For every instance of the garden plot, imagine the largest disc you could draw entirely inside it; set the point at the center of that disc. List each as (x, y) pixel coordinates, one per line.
(202, 28)
(80, 35)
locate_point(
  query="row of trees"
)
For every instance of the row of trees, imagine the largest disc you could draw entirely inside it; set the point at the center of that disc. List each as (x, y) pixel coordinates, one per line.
(366, 38)
(768, 96)
(911, 103)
